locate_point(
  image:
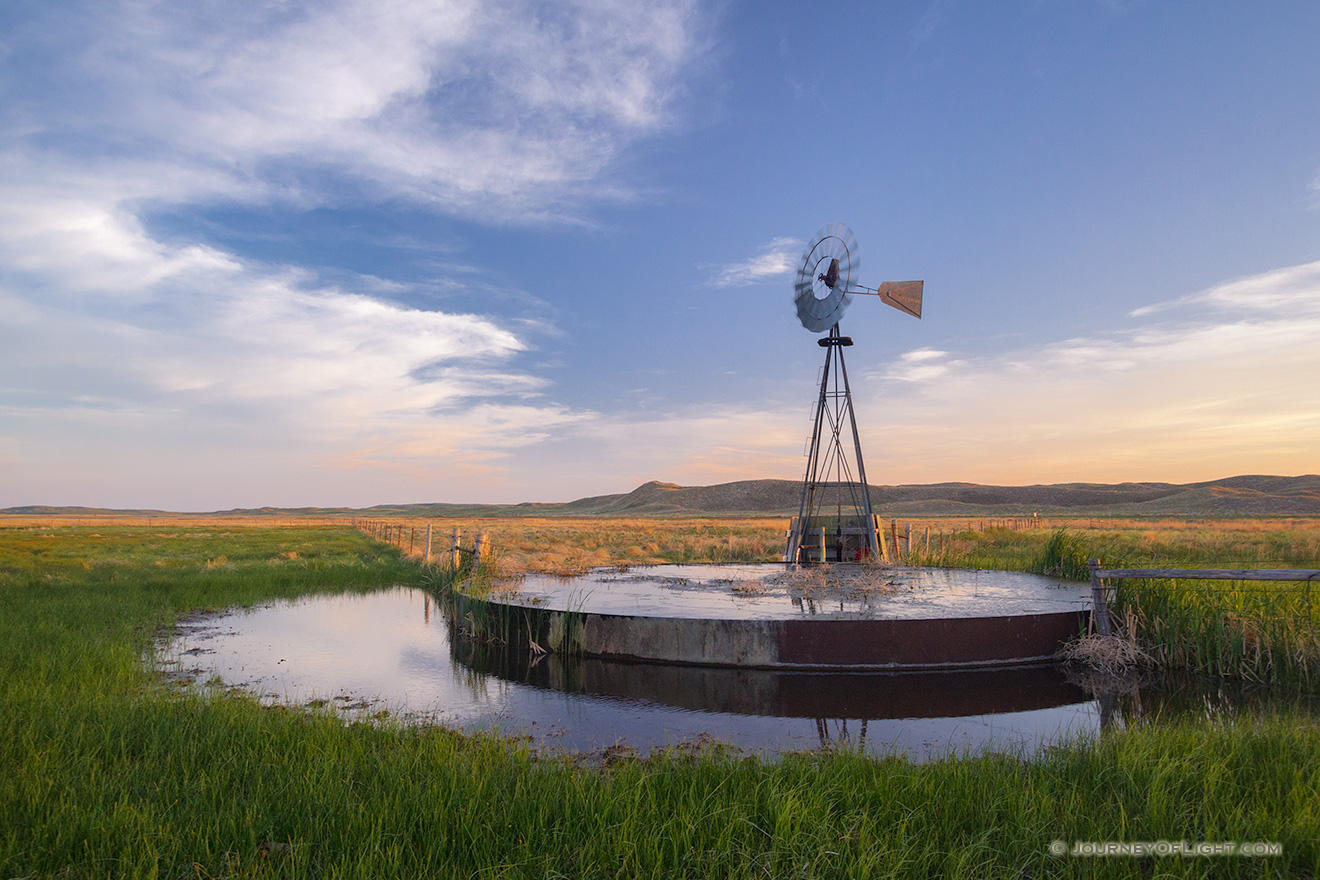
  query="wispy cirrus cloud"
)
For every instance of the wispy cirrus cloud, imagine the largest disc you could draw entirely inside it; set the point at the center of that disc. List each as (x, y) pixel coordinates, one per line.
(774, 260)
(504, 110)
(1293, 288)
(931, 20)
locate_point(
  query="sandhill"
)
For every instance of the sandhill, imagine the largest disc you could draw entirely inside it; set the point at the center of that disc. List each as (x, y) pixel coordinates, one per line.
(1243, 496)
(1231, 497)
(1235, 496)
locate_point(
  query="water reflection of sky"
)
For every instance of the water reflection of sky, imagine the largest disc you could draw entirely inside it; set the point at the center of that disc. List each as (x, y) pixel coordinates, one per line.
(391, 650)
(763, 591)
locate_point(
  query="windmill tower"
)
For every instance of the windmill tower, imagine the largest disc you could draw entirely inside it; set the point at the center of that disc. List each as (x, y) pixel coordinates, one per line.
(835, 522)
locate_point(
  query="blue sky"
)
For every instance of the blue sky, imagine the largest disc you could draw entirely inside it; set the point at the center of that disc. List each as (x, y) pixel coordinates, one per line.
(349, 253)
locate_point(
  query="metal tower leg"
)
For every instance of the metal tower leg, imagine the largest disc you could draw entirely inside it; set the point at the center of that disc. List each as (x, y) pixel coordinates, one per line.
(826, 455)
(873, 540)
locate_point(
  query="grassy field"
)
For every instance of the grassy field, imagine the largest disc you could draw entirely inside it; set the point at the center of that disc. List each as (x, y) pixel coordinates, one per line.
(567, 544)
(109, 772)
(560, 543)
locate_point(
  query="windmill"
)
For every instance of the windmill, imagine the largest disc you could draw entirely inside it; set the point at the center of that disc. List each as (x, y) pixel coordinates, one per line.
(835, 522)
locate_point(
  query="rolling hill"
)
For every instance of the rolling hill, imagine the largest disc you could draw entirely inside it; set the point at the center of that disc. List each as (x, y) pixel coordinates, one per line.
(1242, 496)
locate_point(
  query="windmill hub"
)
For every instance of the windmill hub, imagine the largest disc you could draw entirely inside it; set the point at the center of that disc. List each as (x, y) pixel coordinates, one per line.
(835, 522)
(830, 278)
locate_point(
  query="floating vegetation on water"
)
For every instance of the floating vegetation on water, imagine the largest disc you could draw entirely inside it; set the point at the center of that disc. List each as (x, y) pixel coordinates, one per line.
(748, 587)
(835, 581)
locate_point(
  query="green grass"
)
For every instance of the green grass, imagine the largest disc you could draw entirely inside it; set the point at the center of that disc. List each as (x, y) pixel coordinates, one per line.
(1262, 632)
(110, 773)
(1162, 544)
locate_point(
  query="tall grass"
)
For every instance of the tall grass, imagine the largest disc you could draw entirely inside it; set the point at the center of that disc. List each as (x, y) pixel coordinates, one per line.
(1262, 632)
(1125, 543)
(470, 594)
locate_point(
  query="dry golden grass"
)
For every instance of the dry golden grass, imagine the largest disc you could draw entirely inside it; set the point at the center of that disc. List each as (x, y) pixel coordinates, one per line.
(169, 521)
(562, 544)
(851, 581)
(1108, 654)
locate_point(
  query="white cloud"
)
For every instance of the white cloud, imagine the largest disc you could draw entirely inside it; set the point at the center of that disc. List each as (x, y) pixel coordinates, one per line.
(922, 364)
(195, 367)
(1295, 289)
(503, 110)
(259, 376)
(776, 259)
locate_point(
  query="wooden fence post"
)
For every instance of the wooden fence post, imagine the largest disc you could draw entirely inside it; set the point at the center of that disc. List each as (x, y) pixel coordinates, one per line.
(453, 551)
(880, 538)
(426, 556)
(477, 548)
(1099, 607)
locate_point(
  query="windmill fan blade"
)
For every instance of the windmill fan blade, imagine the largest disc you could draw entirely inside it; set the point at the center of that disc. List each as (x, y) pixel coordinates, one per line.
(903, 295)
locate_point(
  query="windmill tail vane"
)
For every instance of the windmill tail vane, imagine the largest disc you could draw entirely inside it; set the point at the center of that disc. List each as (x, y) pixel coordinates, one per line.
(902, 295)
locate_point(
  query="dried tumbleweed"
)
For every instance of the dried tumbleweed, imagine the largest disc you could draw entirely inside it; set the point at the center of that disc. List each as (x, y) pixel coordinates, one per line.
(1106, 653)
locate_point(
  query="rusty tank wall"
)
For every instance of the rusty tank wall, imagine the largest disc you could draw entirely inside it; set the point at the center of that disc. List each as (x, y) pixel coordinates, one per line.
(860, 644)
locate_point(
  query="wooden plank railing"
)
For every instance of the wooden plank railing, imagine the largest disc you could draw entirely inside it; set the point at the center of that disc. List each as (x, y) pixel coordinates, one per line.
(1100, 606)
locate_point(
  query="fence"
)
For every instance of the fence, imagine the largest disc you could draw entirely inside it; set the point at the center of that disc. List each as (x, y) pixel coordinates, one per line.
(405, 537)
(927, 539)
(901, 543)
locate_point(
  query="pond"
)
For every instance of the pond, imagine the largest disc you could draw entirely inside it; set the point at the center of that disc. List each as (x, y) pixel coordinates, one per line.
(392, 652)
